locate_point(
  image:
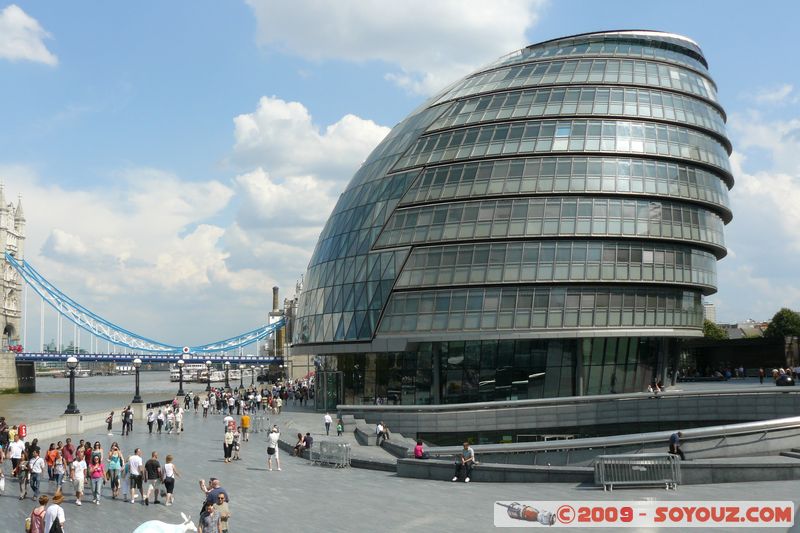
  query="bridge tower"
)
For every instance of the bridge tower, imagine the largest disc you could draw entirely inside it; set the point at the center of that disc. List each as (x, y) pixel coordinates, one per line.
(12, 239)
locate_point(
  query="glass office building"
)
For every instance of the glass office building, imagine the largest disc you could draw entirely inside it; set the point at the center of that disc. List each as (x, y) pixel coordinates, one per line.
(545, 226)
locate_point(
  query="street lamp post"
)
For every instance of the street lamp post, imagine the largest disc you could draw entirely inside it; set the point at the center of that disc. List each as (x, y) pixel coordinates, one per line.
(208, 371)
(72, 408)
(227, 365)
(136, 364)
(252, 375)
(180, 364)
(241, 375)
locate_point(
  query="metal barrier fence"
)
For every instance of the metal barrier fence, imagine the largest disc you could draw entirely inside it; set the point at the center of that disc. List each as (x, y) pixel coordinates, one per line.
(333, 453)
(637, 469)
(259, 423)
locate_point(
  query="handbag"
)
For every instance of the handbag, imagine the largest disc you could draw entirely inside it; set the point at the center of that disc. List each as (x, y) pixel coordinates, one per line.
(270, 451)
(56, 527)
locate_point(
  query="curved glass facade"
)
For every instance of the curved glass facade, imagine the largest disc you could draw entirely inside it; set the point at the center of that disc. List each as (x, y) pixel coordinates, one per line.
(543, 136)
(598, 101)
(565, 175)
(562, 261)
(587, 71)
(546, 226)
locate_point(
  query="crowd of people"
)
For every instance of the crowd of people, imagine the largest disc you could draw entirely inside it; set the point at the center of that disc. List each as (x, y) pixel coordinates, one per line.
(51, 475)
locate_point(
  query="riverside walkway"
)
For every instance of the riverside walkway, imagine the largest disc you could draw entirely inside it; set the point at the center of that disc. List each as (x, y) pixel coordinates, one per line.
(305, 497)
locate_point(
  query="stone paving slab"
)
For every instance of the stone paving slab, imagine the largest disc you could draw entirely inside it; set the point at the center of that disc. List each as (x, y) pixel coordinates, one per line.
(305, 497)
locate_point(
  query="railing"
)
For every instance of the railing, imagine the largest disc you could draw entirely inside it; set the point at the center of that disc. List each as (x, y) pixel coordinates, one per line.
(641, 469)
(162, 403)
(615, 441)
(545, 402)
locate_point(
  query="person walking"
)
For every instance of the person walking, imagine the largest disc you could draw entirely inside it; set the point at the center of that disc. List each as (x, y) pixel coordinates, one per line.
(37, 467)
(37, 516)
(55, 513)
(22, 474)
(135, 467)
(78, 475)
(170, 473)
(328, 421)
(97, 476)
(209, 520)
(59, 469)
(245, 427)
(50, 458)
(160, 420)
(115, 460)
(152, 469)
(272, 448)
(15, 450)
(151, 419)
(179, 420)
(221, 507)
(109, 422)
(339, 428)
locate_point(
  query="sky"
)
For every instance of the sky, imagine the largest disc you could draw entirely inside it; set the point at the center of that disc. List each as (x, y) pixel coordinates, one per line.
(177, 159)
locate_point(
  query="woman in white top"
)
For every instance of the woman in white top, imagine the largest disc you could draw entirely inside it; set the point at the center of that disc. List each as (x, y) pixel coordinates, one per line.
(170, 472)
(272, 448)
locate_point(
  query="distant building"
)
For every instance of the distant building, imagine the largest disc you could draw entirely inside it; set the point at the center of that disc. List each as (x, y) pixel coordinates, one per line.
(745, 330)
(710, 312)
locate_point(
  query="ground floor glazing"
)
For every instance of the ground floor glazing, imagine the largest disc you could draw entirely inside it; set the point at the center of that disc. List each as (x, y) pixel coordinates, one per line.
(495, 370)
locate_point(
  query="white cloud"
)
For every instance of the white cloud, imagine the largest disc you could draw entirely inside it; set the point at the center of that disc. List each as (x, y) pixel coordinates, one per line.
(196, 252)
(281, 137)
(760, 277)
(21, 37)
(431, 43)
(298, 170)
(299, 199)
(779, 94)
(61, 243)
(778, 138)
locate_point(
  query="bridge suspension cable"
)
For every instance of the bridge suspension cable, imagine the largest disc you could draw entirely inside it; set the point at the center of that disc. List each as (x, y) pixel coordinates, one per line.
(100, 327)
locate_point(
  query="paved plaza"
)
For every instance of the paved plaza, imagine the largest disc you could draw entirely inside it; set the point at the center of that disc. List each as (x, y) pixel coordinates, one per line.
(305, 497)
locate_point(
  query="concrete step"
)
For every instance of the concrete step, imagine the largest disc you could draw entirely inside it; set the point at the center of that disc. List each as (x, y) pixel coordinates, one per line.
(795, 454)
(399, 446)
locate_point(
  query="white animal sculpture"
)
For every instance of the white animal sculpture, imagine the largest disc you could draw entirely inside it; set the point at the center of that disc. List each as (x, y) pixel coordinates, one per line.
(157, 526)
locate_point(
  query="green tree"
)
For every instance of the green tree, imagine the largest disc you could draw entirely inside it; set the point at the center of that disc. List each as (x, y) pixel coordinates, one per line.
(785, 323)
(713, 331)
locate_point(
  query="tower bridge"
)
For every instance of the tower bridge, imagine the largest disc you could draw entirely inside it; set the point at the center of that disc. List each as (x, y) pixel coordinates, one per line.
(17, 371)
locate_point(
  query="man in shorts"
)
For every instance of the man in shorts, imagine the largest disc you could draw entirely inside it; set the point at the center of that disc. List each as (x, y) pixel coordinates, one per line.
(135, 467)
(78, 472)
(152, 469)
(245, 427)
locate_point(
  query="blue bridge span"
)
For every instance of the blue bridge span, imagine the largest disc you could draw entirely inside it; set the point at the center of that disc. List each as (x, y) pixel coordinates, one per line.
(148, 350)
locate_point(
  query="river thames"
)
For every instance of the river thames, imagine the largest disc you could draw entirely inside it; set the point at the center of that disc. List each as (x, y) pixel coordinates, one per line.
(96, 393)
